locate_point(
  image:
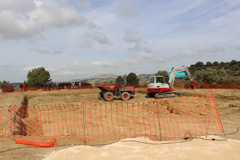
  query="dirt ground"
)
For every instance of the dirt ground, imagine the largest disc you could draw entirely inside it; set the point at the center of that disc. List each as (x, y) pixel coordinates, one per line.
(142, 149)
(228, 103)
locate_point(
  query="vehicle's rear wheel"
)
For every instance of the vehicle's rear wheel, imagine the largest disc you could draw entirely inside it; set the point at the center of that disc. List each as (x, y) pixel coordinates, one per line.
(100, 96)
(108, 96)
(125, 96)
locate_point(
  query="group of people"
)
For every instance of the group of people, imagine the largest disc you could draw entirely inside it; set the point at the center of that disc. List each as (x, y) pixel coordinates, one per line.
(23, 87)
(60, 85)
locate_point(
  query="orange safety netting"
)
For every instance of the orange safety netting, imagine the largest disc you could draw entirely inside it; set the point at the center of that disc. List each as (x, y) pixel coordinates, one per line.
(166, 119)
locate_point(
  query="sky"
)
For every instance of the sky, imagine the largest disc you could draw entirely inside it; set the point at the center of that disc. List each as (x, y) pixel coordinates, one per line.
(74, 39)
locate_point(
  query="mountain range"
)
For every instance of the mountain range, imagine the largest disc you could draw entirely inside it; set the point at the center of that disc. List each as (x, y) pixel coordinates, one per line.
(111, 78)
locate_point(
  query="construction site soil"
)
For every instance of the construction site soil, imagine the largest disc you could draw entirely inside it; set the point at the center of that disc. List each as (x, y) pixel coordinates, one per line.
(228, 104)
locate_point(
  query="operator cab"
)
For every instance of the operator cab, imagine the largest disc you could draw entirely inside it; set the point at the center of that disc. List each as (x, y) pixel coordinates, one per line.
(157, 84)
(156, 79)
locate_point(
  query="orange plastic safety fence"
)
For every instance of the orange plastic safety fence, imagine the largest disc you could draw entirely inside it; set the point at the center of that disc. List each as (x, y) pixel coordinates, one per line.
(166, 119)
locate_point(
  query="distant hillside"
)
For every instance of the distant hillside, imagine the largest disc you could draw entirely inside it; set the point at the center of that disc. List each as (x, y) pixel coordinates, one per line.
(105, 76)
(232, 68)
(111, 78)
(143, 78)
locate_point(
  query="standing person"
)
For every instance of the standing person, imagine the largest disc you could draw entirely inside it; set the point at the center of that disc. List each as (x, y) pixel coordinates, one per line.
(73, 85)
(79, 85)
(44, 86)
(49, 86)
(52, 86)
(76, 85)
(193, 85)
(24, 87)
(21, 86)
(41, 85)
(125, 80)
(65, 85)
(69, 84)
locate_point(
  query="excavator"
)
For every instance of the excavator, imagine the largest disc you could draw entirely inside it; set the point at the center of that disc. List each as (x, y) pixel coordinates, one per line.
(158, 88)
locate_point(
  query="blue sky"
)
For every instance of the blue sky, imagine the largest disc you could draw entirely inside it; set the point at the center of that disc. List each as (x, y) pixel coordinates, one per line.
(78, 39)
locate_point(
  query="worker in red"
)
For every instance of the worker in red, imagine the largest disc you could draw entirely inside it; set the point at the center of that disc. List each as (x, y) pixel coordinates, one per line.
(193, 85)
(24, 87)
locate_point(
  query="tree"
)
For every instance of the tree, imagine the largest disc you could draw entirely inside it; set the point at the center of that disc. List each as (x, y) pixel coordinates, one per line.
(132, 79)
(6, 86)
(237, 73)
(37, 76)
(209, 63)
(199, 64)
(211, 75)
(164, 74)
(215, 63)
(233, 62)
(222, 63)
(228, 71)
(206, 75)
(119, 80)
(222, 75)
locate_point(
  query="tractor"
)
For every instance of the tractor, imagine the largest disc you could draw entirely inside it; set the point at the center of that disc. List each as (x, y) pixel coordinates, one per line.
(109, 90)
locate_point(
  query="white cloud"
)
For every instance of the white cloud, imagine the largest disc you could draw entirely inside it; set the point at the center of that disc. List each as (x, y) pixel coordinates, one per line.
(30, 23)
(45, 51)
(64, 73)
(62, 70)
(84, 4)
(102, 17)
(238, 47)
(75, 65)
(136, 47)
(102, 63)
(98, 36)
(144, 55)
(233, 3)
(3, 64)
(56, 52)
(42, 50)
(131, 36)
(132, 63)
(183, 27)
(159, 59)
(27, 68)
(67, 67)
(17, 6)
(141, 45)
(199, 51)
(85, 44)
(126, 10)
(141, 59)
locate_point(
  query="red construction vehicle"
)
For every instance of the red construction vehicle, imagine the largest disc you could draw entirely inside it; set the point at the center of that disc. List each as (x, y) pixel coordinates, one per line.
(109, 90)
(159, 89)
